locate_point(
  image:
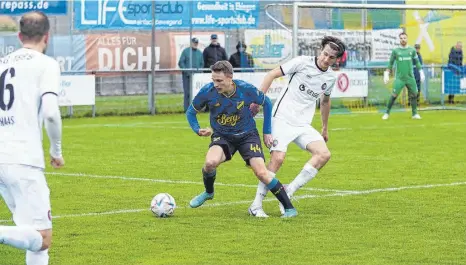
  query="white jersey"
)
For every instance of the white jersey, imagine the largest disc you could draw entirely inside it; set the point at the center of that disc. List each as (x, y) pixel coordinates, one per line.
(297, 103)
(25, 76)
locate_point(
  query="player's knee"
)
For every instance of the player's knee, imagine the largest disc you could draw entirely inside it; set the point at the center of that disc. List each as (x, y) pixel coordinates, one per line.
(46, 239)
(262, 174)
(276, 161)
(210, 165)
(324, 156)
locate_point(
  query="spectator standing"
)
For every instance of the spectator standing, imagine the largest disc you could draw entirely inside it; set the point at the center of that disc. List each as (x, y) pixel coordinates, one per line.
(193, 56)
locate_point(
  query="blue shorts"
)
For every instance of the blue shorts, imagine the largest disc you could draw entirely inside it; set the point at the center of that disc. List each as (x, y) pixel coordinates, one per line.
(248, 145)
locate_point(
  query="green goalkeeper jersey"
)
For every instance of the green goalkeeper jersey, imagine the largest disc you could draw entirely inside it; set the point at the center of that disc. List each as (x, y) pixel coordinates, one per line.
(404, 62)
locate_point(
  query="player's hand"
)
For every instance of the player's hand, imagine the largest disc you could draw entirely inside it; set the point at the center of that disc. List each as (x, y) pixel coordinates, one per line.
(325, 134)
(254, 108)
(421, 74)
(57, 162)
(268, 140)
(205, 132)
(386, 77)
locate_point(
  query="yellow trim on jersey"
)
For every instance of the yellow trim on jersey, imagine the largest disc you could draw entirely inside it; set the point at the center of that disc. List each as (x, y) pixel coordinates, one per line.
(194, 107)
(229, 96)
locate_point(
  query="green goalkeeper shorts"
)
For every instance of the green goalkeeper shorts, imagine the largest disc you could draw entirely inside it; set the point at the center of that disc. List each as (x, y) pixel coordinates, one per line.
(399, 84)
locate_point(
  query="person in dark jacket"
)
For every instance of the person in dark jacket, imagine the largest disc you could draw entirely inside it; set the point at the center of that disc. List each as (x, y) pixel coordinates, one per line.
(197, 61)
(242, 59)
(417, 75)
(214, 53)
(455, 62)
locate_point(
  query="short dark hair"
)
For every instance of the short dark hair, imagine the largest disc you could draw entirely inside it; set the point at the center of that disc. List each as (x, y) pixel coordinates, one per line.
(222, 66)
(403, 33)
(34, 26)
(335, 43)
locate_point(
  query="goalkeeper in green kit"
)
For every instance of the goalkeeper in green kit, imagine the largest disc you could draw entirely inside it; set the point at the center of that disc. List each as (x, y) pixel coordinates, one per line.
(404, 75)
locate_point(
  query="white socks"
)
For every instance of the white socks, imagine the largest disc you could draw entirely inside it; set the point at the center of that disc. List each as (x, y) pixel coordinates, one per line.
(261, 192)
(307, 173)
(37, 258)
(22, 237)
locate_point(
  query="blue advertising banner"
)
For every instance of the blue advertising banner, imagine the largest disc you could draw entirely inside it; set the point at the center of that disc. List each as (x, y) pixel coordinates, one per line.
(121, 14)
(454, 80)
(69, 51)
(19, 7)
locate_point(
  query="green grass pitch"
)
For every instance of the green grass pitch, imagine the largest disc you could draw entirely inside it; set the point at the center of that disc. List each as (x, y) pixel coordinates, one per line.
(394, 192)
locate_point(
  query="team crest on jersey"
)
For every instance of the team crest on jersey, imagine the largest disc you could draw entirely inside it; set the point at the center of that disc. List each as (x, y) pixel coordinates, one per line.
(239, 105)
(324, 86)
(302, 87)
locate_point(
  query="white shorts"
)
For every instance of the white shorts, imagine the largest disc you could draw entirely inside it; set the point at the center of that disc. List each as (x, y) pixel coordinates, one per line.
(27, 195)
(283, 134)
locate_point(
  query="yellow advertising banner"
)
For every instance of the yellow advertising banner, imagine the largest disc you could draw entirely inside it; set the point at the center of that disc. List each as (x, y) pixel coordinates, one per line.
(437, 31)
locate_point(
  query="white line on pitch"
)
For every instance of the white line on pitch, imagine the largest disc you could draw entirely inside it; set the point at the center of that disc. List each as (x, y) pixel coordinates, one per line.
(176, 181)
(220, 204)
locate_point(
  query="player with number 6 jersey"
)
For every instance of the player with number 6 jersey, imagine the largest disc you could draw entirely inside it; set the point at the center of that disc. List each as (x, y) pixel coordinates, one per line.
(310, 78)
(29, 83)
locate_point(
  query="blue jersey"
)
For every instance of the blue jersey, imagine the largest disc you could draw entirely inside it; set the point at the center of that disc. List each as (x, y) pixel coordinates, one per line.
(230, 115)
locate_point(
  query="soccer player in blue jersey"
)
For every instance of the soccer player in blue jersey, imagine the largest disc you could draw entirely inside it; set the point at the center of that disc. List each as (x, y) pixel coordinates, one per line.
(234, 129)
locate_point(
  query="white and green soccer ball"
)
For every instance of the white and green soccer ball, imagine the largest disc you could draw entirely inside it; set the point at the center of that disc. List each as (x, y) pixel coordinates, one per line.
(163, 205)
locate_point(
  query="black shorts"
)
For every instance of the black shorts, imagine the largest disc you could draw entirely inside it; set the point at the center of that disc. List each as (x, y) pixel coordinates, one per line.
(248, 145)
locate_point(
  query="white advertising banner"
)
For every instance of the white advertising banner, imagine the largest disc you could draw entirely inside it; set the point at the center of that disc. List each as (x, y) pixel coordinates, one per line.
(271, 48)
(349, 84)
(76, 90)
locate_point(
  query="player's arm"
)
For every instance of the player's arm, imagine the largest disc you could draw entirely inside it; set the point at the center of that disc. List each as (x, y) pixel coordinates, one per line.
(260, 99)
(325, 111)
(50, 111)
(199, 102)
(290, 67)
(391, 61)
(386, 73)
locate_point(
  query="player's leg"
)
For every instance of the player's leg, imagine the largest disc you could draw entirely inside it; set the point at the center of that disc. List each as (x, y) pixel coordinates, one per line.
(283, 135)
(413, 96)
(219, 152)
(397, 87)
(32, 216)
(313, 142)
(251, 151)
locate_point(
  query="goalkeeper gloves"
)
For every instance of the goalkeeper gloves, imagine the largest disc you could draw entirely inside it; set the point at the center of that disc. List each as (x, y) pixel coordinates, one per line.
(386, 77)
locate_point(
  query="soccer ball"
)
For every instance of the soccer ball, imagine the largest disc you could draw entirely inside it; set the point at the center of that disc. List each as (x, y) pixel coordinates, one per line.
(163, 205)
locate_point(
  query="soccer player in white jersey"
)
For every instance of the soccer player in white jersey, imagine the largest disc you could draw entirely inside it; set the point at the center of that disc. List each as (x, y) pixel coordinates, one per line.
(311, 78)
(29, 83)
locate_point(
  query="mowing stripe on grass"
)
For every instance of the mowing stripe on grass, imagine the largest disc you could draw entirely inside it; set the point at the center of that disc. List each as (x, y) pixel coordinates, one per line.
(337, 194)
(176, 181)
(163, 125)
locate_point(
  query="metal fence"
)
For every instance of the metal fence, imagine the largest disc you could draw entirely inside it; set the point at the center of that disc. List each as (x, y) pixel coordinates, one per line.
(137, 69)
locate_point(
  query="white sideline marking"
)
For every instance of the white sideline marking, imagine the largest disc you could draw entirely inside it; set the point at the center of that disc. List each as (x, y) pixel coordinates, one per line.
(176, 181)
(337, 194)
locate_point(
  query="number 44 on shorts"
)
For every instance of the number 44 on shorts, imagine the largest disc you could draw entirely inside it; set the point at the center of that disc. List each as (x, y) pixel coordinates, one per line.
(255, 148)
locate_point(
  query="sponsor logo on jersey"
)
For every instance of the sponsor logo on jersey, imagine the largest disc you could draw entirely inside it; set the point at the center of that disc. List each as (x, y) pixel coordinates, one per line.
(228, 120)
(324, 86)
(239, 105)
